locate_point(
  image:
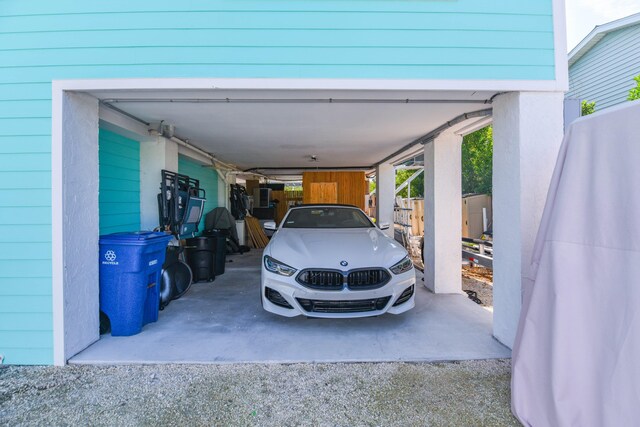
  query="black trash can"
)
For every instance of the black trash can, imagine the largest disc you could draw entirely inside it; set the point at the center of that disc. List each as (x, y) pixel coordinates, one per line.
(220, 237)
(201, 257)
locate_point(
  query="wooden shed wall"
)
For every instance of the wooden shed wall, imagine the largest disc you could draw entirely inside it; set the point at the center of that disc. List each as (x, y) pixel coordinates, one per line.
(351, 186)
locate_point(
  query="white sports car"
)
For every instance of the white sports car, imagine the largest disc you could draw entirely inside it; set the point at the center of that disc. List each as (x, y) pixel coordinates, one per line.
(332, 261)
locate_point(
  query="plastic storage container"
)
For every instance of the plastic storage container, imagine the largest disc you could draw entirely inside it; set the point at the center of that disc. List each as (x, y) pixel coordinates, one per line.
(130, 266)
(220, 237)
(201, 253)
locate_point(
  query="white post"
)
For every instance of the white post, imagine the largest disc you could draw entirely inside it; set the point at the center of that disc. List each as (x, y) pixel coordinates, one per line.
(155, 155)
(443, 213)
(223, 190)
(528, 130)
(385, 193)
(75, 233)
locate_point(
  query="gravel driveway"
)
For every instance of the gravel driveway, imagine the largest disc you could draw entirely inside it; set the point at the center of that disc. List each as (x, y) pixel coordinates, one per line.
(473, 393)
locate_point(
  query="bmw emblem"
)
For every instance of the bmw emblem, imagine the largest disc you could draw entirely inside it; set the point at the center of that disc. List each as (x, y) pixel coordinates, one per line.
(344, 263)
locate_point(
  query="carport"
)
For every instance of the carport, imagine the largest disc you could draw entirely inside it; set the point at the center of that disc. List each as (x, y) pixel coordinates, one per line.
(271, 126)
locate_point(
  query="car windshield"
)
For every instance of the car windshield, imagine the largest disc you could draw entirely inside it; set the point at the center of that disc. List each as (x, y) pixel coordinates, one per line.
(327, 217)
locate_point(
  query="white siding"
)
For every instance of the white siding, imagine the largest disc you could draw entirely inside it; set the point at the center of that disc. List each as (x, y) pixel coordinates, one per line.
(605, 73)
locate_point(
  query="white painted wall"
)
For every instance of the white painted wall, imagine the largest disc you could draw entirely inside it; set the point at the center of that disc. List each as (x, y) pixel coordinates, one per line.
(528, 131)
(385, 192)
(80, 223)
(223, 193)
(443, 213)
(155, 155)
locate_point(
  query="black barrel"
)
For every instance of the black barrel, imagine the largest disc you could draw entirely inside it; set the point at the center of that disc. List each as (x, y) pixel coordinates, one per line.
(201, 257)
(220, 237)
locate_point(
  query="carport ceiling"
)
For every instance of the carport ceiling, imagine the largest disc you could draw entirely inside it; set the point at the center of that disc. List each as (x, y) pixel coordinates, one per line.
(282, 129)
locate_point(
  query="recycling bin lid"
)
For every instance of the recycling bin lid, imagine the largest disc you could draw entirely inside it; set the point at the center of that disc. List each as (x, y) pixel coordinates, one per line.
(133, 237)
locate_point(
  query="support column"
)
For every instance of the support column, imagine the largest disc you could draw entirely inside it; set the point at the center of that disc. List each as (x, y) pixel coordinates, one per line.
(385, 195)
(443, 213)
(223, 191)
(75, 224)
(527, 131)
(155, 155)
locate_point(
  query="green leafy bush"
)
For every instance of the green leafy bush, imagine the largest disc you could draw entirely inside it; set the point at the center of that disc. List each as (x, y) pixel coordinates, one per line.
(477, 162)
(634, 93)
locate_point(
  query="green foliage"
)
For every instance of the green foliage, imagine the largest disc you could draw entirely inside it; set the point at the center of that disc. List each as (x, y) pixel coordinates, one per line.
(477, 166)
(477, 162)
(417, 185)
(293, 186)
(587, 108)
(634, 93)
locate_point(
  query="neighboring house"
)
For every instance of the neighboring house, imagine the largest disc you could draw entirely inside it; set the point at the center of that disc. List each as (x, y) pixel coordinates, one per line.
(65, 65)
(602, 66)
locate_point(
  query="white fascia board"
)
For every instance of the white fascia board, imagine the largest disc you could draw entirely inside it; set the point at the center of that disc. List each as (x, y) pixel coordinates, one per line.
(598, 32)
(315, 84)
(560, 45)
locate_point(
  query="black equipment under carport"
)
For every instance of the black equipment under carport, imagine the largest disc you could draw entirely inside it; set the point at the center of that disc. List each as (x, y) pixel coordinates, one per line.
(217, 222)
(176, 276)
(219, 240)
(180, 204)
(201, 254)
(239, 201)
(180, 209)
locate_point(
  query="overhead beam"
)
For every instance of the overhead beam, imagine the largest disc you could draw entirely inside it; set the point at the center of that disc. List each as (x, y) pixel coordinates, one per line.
(296, 101)
(425, 139)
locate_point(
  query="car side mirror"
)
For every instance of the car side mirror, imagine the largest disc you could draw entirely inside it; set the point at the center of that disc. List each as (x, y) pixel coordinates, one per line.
(270, 225)
(384, 226)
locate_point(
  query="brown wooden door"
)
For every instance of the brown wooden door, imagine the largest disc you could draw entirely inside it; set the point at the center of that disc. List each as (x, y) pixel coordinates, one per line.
(323, 192)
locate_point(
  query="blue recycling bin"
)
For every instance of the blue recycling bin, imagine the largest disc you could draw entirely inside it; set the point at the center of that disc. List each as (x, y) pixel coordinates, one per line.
(130, 269)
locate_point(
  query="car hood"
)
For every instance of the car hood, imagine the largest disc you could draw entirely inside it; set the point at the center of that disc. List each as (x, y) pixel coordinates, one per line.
(326, 248)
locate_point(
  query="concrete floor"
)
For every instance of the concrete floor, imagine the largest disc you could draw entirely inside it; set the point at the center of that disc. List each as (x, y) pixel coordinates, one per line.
(223, 322)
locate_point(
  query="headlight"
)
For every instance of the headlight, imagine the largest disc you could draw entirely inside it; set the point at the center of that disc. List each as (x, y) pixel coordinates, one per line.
(275, 266)
(403, 266)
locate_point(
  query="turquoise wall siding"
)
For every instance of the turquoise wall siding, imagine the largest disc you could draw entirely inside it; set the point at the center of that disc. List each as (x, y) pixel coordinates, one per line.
(616, 56)
(71, 39)
(398, 39)
(26, 318)
(119, 197)
(208, 180)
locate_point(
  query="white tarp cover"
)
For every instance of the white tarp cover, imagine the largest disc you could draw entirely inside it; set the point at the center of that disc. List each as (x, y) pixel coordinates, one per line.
(576, 359)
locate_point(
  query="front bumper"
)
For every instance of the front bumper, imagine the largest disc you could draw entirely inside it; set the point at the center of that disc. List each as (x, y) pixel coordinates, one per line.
(291, 291)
